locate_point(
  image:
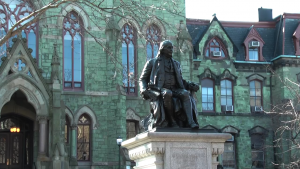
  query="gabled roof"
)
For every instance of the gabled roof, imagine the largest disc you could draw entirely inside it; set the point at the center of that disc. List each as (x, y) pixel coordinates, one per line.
(237, 32)
(19, 49)
(296, 34)
(204, 31)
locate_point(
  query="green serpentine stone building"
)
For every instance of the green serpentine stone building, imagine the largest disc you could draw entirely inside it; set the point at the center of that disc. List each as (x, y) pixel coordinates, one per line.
(69, 82)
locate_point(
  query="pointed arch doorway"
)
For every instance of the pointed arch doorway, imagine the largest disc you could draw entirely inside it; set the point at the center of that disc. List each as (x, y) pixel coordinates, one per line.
(16, 148)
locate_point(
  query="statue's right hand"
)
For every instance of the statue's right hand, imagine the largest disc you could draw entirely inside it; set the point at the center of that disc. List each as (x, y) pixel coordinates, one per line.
(150, 94)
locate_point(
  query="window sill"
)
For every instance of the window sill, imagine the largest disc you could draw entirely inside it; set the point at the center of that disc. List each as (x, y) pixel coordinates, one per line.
(84, 163)
(68, 92)
(133, 97)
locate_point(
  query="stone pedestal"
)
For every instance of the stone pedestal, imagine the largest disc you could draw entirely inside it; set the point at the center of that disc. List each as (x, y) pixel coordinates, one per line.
(176, 150)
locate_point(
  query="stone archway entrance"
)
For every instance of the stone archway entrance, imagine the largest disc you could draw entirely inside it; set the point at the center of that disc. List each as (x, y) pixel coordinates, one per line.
(16, 148)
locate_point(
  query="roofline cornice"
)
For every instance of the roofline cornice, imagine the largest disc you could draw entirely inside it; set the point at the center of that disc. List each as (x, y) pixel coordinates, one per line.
(197, 21)
(291, 15)
(271, 24)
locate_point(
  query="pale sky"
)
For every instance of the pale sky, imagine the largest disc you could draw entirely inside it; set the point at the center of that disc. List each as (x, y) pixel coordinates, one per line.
(238, 10)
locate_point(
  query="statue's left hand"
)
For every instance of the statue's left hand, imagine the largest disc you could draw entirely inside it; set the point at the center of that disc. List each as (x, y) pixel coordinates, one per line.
(193, 87)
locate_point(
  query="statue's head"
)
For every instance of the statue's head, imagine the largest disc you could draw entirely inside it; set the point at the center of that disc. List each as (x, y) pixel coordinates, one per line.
(166, 48)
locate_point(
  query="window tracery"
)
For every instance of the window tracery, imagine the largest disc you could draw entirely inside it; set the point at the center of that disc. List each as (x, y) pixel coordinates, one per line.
(73, 52)
(215, 49)
(129, 58)
(83, 138)
(11, 11)
(153, 36)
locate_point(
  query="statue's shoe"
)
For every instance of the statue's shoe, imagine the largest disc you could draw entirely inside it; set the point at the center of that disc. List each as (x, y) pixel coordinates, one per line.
(194, 126)
(175, 125)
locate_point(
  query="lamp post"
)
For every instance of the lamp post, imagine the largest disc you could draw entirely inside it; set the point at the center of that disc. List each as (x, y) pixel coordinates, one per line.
(119, 142)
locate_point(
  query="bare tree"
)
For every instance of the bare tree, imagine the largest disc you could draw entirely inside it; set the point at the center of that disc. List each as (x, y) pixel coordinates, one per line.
(99, 11)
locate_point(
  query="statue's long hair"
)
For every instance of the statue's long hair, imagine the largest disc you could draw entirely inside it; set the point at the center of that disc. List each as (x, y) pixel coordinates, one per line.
(162, 45)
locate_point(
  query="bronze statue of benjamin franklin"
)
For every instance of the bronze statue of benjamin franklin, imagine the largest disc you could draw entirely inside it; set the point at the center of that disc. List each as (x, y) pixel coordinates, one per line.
(171, 104)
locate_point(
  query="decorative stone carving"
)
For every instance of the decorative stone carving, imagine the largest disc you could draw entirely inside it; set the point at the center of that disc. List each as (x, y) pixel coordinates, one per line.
(227, 75)
(42, 119)
(73, 127)
(130, 115)
(256, 76)
(176, 150)
(147, 152)
(258, 130)
(217, 149)
(230, 129)
(209, 74)
(55, 78)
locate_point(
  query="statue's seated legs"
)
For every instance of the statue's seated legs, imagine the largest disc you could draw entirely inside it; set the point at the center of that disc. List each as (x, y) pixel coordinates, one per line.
(184, 97)
(169, 107)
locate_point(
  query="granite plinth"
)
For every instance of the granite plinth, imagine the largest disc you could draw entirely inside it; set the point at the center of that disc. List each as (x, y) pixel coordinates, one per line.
(191, 149)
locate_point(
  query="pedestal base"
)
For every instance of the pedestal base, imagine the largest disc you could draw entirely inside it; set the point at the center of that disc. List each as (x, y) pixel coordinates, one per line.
(176, 150)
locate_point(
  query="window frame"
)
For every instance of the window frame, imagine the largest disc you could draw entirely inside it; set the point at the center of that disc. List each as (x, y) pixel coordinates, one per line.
(90, 137)
(232, 92)
(253, 49)
(134, 42)
(260, 57)
(151, 40)
(234, 151)
(261, 92)
(221, 48)
(81, 33)
(262, 137)
(214, 101)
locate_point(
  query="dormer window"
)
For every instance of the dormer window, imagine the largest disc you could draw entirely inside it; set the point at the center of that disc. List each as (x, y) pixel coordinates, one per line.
(253, 50)
(296, 39)
(253, 46)
(215, 49)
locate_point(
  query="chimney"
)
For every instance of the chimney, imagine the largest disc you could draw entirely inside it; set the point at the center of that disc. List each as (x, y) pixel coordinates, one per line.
(264, 15)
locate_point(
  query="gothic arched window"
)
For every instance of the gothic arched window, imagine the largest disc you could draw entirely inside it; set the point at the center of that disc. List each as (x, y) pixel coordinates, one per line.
(11, 11)
(153, 36)
(129, 58)
(73, 52)
(84, 138)
(215, 49)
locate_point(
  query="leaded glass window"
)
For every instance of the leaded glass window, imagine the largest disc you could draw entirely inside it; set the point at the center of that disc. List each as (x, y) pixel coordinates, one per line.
(73, 52)
(129, 58)
(11, 11)
(67, 128)
(83, 138)
(153, 37)
(3, 146)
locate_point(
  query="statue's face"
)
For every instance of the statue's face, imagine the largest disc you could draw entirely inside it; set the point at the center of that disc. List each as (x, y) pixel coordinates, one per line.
(168, 50)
